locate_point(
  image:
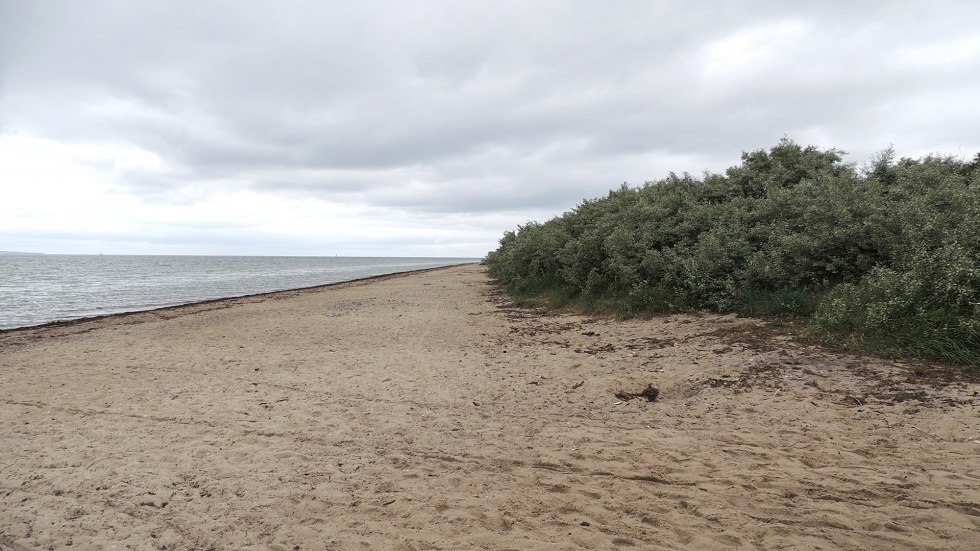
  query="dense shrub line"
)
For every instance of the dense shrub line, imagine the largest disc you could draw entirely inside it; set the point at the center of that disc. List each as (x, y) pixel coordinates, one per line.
(885, 257)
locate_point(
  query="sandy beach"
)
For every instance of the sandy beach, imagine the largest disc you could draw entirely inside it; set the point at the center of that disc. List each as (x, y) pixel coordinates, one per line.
(423, 411)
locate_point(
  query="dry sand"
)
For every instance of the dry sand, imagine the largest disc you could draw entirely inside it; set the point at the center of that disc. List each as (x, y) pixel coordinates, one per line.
(423, 412)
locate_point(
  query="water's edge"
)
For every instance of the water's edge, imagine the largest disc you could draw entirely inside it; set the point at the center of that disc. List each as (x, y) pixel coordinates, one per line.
(367, 279)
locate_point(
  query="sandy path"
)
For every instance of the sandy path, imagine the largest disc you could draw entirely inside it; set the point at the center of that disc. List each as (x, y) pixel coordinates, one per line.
(420, 412)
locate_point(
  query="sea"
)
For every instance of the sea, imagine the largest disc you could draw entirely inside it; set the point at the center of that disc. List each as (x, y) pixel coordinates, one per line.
(42, 288)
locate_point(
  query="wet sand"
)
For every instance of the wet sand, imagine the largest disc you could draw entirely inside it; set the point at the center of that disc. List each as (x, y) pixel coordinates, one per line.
(422, 411)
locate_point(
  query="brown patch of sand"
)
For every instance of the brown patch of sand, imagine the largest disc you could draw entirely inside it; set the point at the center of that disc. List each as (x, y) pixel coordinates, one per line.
(424, 412)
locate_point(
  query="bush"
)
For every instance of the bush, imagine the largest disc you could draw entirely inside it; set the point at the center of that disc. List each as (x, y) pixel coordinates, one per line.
(886, 257)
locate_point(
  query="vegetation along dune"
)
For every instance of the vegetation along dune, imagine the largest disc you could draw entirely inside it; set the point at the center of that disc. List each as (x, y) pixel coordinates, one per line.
(884, 258)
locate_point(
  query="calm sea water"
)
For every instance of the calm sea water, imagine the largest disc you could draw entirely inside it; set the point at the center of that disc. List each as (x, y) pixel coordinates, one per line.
(37, 289)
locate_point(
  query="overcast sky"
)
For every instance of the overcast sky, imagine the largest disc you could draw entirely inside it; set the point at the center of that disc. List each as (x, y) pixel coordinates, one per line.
(429, 128)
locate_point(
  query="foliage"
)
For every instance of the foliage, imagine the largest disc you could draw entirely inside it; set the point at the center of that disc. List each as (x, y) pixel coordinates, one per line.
(886, 257)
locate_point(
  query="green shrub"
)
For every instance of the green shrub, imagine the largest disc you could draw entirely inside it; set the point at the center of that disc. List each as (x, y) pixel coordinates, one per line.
(930, 310)
(886, 257)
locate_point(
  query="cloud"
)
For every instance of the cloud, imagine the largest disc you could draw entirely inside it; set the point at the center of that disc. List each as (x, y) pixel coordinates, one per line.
(421, 112)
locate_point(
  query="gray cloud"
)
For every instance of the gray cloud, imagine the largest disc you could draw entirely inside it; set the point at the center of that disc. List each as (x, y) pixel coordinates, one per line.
(473, 107)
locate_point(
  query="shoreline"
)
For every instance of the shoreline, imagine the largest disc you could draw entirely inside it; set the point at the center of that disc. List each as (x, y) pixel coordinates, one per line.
(425, 411)
(74, 321)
